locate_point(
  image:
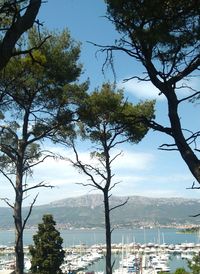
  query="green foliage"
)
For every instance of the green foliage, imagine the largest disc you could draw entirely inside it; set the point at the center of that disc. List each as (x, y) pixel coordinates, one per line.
(62, 54)
(108, 120)
(159, 29)
(195, 229)
(106, 115)
(181, 271)
(47, 253)
(38, 94)
(9, 10)
(194, 265)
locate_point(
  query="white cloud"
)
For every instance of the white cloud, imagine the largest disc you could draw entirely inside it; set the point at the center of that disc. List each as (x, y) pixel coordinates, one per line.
(146, 90)
(138, 173)
(141, 89)
(61, 172)
(134, 161)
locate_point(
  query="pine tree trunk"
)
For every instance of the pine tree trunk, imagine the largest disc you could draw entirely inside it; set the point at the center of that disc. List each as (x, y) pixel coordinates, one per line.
(184, 148)
(19, 252)
(183, 145)
(108, 234)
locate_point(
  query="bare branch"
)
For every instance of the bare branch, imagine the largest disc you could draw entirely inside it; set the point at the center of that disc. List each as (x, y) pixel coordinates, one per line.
(7, 177)
(189, 97)
(122, 204)
(156, 126)
(114, 259)
(117, 155)
(92, 185)
(193, 186)
(42, 135)
(29, 51)
(114, 144)
(83, 167)
(196, 215)
(140, 79)
(6, 200)
(37, 163)
(167, 149)
(41, 184)
(194, 63)
(111, 187)
(29, 212)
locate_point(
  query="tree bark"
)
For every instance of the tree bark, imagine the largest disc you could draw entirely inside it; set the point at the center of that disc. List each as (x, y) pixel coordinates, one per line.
(19, 251)
(108, 233)
(185, 150)
(21, 25)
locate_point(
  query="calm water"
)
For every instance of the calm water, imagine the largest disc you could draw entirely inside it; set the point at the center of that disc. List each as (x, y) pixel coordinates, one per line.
(96, 236)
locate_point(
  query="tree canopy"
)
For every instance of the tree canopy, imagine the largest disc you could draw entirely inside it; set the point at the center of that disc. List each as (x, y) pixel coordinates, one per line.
(47, 253)
(17, 17)
(107, 120)
(166, 32)
(38, 97)
(108, 110)
(164, 37)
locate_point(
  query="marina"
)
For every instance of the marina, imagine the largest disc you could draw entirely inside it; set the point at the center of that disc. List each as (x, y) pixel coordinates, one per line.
(135, 251)
(133, 258)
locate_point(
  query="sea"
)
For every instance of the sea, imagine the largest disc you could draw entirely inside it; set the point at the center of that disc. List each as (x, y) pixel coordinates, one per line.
(72, 237)
(90, 237)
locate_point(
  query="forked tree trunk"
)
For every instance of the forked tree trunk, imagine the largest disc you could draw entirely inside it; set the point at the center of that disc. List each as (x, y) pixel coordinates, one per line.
(177, 133)
(184, 148)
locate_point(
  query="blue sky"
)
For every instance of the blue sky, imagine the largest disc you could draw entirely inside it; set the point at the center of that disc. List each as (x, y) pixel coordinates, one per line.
(143, 169)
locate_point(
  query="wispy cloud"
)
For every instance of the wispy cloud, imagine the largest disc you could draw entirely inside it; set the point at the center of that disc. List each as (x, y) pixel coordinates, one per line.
(62, 172)
(146, 90)
(141, 89)
(137, 173)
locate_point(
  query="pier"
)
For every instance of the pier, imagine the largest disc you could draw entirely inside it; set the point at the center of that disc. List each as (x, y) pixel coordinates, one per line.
(135, 258)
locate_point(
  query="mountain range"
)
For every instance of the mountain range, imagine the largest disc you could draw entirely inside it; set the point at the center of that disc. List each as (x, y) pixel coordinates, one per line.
(87, 211)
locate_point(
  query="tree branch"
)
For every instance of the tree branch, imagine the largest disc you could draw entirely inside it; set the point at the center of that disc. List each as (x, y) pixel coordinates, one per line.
(29, 212)
(6, 201)
(10, 181)
(21, 25)
(122, 204)
(189, 97)
(41, 184)
(38, 162)
(111, 187)
(83, 167)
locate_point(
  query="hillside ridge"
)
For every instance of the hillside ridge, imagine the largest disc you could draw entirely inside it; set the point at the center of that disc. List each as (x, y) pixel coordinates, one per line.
(88, 211)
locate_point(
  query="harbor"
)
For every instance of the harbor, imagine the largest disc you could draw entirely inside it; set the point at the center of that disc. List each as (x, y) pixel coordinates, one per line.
(134, 258)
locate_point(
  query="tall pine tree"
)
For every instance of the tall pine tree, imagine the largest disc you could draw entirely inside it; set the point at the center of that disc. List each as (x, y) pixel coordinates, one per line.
(47, 252)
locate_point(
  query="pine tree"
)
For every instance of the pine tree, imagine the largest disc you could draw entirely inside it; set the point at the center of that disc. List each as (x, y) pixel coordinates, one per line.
(108, 121)
(47, 252)
(194, 265)
(164, 36)
(35, 106)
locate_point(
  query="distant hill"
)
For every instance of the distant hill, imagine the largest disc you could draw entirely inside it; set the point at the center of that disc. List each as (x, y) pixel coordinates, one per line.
(88, 211)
